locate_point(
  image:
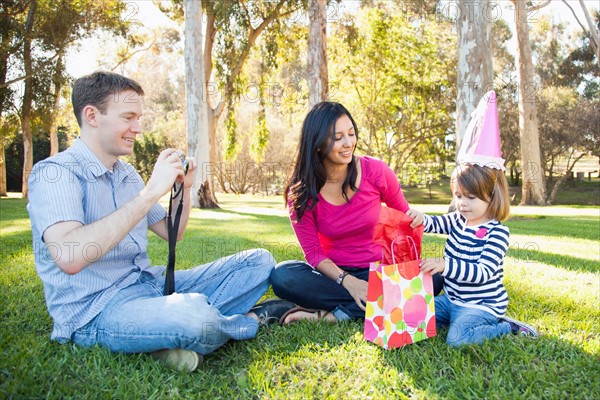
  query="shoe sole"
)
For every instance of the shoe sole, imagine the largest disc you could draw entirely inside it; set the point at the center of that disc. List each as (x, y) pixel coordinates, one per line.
(178, 359)
(523, 324)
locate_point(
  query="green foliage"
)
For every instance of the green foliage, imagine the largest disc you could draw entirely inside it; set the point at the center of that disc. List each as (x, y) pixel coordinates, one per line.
(565, 59)
(35, 36)
(56, 26)
(569, 123)
(231, 142)
(551, 274)
(238, 26)
(236, 22)
(261, 137)
(398, 81)
(564, 94)
(41, 150)
(146, 150)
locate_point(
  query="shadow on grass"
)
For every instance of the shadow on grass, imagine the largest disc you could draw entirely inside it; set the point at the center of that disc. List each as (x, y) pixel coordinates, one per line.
(277, 218)
(283, 361)
(13, 209)
(508, 367)
(574, 227)
(558, 260)
(433, 246)
(206, 239)
(16, 242)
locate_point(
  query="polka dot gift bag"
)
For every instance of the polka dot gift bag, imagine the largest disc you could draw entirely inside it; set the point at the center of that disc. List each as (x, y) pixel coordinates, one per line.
(400, 307)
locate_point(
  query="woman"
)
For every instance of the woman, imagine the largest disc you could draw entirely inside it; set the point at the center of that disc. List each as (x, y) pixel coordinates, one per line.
(334, 200)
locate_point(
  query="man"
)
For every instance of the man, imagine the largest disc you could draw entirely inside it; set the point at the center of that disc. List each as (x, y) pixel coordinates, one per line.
(90, 213)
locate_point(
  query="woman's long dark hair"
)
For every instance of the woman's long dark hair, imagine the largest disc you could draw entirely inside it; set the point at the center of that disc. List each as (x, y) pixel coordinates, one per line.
(309, 174)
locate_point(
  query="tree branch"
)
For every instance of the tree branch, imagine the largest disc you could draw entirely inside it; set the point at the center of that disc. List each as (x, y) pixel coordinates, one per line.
(595, 38)
(253, 35)
(125, 59)
(209, 41)
(575, 15)
(247, 14)
(537, 7)
(39, 67)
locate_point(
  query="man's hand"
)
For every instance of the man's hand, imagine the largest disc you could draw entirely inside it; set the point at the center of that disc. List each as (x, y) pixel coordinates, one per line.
(167, 169)
(188, 181)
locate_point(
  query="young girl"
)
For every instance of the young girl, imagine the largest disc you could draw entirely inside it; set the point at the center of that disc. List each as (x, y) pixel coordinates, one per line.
(474, 300)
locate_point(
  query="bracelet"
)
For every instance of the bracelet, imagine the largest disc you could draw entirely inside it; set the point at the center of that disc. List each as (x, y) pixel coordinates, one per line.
(340, 279)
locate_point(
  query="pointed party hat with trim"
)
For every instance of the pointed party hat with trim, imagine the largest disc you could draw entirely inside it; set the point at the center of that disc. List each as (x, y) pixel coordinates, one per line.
(481, 142)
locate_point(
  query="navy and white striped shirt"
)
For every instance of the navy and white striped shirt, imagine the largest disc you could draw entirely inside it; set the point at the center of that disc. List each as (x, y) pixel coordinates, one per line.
(473, 258)
(75, 186)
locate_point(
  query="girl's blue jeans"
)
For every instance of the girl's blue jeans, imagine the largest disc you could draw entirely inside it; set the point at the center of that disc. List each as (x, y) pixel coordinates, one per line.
(207, 310)
(467, 325)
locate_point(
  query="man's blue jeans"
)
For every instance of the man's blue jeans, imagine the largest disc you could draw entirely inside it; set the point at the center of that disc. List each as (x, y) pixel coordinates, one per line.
(467, 325)
(207, 310)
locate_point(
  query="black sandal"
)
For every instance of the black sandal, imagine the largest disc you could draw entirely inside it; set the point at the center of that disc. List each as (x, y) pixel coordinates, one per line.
(270, 311)
(321, 314)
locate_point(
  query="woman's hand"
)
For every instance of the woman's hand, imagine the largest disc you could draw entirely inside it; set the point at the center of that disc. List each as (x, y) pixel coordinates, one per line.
(417, 217)
(433, 266)
(357, 289)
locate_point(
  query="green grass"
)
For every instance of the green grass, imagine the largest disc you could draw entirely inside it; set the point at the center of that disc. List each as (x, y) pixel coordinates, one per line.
(552, 276)
(573, 193)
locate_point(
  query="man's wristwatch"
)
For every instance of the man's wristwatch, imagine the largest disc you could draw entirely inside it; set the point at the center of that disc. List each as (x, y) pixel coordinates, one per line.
(340, 278)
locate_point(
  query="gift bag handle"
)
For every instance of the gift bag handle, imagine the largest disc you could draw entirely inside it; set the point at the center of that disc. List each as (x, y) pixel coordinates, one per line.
(414, 246)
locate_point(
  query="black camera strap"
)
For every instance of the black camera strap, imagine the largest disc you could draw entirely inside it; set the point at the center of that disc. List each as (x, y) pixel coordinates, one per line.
(172, 229)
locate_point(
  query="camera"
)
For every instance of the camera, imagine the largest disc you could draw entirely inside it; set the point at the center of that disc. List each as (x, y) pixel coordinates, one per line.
(184, 162)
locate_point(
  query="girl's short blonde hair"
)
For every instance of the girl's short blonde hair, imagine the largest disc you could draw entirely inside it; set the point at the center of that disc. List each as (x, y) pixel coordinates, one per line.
(487, 184)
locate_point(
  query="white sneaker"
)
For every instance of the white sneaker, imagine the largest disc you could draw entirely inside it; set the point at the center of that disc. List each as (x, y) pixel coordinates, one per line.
(178, 359)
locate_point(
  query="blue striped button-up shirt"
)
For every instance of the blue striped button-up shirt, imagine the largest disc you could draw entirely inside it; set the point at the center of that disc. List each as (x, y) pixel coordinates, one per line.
(75, 186)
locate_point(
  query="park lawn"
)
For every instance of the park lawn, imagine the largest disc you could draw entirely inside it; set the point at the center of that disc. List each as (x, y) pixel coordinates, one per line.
(572, 192)
(552, 276)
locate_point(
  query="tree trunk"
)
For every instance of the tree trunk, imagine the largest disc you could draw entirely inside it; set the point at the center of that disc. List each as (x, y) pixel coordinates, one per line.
(27, 101)
(55, 108)
(212, 144)
(475, 73)
(593, 32)
(2, 170)
(197, 118)
(551, 171)
(318, 80)
(27, 146)
(206, 143)
(563, 179)
(533, 190)
(558, 185)
(475, 69)
(5, 41)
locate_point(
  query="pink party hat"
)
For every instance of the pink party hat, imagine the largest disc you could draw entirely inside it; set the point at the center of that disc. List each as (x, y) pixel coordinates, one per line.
(481, 143)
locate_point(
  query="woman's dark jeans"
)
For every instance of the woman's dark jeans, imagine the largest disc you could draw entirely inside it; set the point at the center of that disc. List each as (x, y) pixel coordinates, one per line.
(299, 283)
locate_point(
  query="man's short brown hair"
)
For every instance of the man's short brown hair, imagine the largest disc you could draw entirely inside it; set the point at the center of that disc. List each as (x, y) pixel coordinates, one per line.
(96, 88)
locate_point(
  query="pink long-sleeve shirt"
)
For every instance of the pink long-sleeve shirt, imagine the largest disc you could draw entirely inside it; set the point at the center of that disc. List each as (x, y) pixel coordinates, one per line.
(344, 233)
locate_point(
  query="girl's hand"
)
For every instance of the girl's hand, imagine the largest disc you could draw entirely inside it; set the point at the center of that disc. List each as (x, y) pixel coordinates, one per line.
(417, 217)
(433, 266)
(357, 289)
